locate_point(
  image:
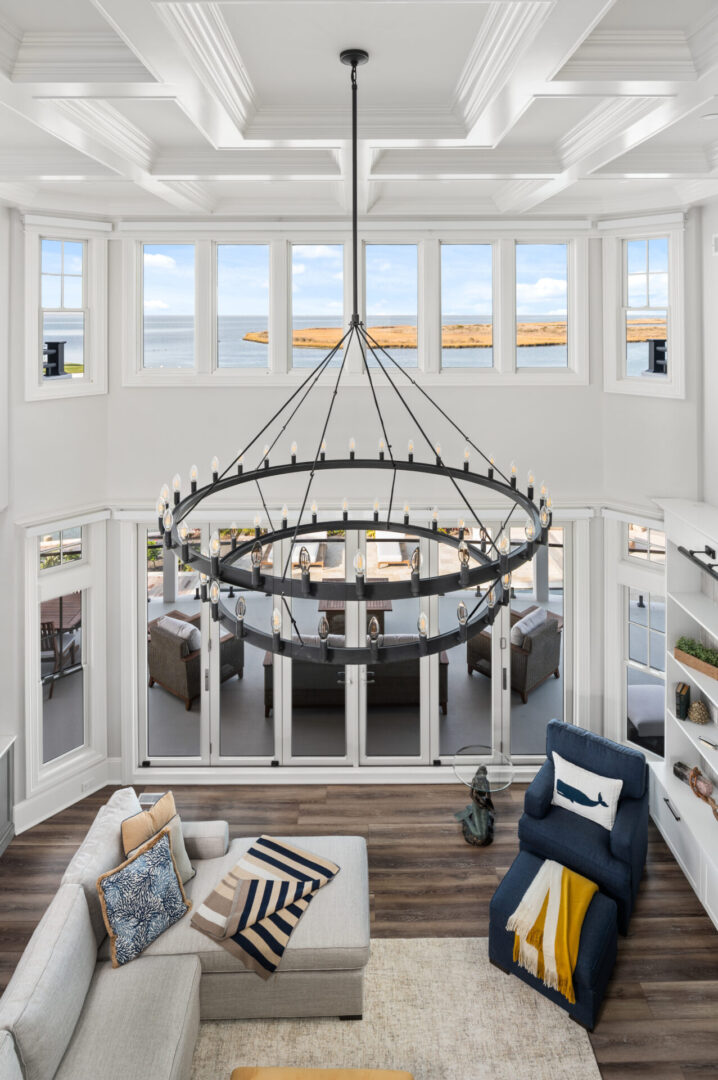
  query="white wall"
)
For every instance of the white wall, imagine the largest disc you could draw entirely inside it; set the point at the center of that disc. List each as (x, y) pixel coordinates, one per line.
(710, 355)
(590, 447)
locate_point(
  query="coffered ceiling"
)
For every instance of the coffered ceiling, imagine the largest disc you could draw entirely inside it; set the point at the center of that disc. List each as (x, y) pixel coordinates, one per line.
(467, 107)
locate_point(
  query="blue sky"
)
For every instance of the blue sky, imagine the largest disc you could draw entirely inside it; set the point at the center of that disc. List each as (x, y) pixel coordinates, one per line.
(317, 277)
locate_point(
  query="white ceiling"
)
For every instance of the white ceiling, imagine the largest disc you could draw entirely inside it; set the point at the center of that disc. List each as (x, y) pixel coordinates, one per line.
(467, 107)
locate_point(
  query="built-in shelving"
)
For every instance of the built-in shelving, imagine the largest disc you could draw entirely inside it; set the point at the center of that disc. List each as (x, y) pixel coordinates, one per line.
(685, 821)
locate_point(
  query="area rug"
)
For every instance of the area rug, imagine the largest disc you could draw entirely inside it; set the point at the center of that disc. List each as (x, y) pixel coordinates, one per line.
(433, 1006)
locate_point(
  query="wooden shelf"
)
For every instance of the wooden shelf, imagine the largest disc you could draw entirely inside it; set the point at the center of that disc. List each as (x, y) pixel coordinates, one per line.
(697, 814)
(700, 607)
(705, 683)
(692, 731)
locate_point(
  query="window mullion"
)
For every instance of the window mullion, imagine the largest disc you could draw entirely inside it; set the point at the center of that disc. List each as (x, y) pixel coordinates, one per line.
(429, 295)
(505, 307)
(203, 322)
(280, 300)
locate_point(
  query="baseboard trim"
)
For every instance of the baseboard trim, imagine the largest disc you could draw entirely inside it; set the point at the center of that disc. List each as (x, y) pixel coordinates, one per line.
(307, 774)
(42, 806)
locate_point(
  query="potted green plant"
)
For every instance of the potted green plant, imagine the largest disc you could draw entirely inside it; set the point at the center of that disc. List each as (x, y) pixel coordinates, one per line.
(697, 656)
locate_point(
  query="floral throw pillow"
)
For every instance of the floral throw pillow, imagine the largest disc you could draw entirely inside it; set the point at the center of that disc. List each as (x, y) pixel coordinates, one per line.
(141, 898)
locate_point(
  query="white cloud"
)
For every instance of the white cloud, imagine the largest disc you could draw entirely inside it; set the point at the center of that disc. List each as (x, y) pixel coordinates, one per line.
(155, 305)
(156, 258)
(544, 289)
(298, 268)
(318, 251)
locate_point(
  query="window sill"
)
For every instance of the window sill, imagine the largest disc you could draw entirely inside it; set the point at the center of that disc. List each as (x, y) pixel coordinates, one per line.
(658, 386)
(63, 388)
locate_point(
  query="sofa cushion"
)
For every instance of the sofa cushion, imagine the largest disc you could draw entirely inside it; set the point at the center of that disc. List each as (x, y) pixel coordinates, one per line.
(332, 935)
(206, 839)
(139, 1022)
(100, 851)
(600, 755)
(46, 993)
(140, 828)
(9, 1061)
(180, 628)
(584, 792)
(141, 898)
(528, 624)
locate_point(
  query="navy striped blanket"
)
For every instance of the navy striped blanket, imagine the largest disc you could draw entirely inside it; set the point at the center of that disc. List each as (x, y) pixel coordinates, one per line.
(256, 906)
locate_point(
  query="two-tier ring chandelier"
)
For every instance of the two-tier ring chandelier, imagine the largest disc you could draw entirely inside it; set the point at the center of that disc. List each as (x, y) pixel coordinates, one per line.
(485, 566)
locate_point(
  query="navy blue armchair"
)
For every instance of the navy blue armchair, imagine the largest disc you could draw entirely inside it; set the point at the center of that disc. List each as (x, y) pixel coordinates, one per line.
(615, 859)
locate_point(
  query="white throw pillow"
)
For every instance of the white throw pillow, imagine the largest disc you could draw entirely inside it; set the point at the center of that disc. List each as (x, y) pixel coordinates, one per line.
(180, 628)
(529, 622)
(585, 793)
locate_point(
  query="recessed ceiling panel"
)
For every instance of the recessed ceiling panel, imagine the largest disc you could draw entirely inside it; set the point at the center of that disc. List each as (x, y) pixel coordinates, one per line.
(163, 122)
(656, 14)
(48, 15)
(547, 120)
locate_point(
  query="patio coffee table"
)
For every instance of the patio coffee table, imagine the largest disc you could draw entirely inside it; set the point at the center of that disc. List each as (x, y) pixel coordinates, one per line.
(335, 611)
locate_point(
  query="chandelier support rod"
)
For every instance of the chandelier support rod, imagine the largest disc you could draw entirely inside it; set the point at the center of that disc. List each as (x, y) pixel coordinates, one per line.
(355, 227)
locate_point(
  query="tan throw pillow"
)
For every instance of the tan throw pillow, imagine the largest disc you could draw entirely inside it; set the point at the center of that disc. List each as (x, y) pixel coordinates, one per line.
(140, 828)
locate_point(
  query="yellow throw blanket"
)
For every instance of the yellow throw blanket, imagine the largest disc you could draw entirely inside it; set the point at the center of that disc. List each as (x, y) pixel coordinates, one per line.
(547, 925)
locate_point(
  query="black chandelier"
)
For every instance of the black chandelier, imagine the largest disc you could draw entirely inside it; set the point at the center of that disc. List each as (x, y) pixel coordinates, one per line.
(495, 559)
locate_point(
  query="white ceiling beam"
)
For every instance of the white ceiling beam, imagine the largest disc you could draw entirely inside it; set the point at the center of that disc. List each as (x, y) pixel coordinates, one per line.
(271, 163)
(608, 119)
(633, 55)
(76, 56)
(19, 195)
(129, 91)
(568, 25)
(462, 163)
(107, 125)
(144, 30)
(42, 165)
(10, 41)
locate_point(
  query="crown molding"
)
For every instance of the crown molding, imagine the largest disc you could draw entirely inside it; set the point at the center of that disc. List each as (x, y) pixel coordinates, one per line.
(462, 163)
(106, 124)
(513, 193)
(25, 163)
(663, 162)
(18, 195)
(505, 33)
(10, 40)
(607, 120)
(632, 54)
(206, 40)
(330, 122)
(74, 56)
(194, 195)
(280, 163)
(703, 43)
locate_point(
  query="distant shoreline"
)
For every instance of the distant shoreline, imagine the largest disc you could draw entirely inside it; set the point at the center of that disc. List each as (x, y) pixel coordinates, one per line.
(454, 336)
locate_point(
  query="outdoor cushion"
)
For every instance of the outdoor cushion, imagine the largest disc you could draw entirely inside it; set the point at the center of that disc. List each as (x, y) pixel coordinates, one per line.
(100, 851)
(140, 828)
(45, 995)
(333, 934)
(141, 898)
(584, 792)
(605, 757)
(139, 1022)
(182, 629)
(525, 626)
(646, 709)
(9, 1063)
(205, 839)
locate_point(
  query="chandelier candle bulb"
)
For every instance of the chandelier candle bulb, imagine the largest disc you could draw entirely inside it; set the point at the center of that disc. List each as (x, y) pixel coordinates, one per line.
(483, 537)
(406, 513)
(256, 560)
(437, 451)
(293, 453)
(359, 574)
(240, 466)
(193, 477)
(415, 568)
(411, 450)
(323, 632)
(240, 611)
(214, 550)
(176, 484)
(464, 564)
(314, 513)
(513, 475)
(323, 451)
(304, 566)
(374, 635)
(257, 524)
(529, 531)
(160, 514)
(491, 467)
(376, 509)
(214, 600)
(214, 466)
(504, 544)
(233, 535)
(276, 625)
(530, 489)
(382, 448)
(462, 615)
(352, 449)
(165, 493)
(422, 625)
(167, 521)
(345, 509)
(266, 457)
(203, 579)
(460, 527)
(285, 516)
(545, 516)
(435, 519)
(467, 458)
(183, 533)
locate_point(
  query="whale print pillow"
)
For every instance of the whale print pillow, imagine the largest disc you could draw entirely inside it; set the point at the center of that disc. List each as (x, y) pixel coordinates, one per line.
(586, 793)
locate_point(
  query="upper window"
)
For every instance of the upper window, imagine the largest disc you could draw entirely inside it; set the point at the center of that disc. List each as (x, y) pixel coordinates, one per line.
(317, 302)
(646, 306)
(541, 305)
(466, 305)
(645, 665)
(647, 544)
(242, 305)
(168, 303)
(63, 309)
(60, 548)
(392, 283)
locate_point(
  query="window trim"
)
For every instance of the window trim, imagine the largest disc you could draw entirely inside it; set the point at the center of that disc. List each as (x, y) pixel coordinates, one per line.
(615, 379)
(93, 235)
(47, 571)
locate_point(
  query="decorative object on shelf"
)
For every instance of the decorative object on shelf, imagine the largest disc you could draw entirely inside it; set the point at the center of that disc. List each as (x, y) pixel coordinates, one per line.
(700, 657)
(707, 553)
(477, 819)
(713, 746)
(698, 713)
(683, 700)
(475, 566)
(699, 784)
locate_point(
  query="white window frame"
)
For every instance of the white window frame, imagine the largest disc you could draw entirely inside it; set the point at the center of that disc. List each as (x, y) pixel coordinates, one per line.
(495, 298)
(427, 237)
(47, 571)
(615, 234)
(89, 577)
(214, 306)
(631, 555)
(93, 235)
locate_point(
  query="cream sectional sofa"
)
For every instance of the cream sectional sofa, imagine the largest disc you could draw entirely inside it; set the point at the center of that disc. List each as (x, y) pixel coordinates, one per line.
(68, 1015)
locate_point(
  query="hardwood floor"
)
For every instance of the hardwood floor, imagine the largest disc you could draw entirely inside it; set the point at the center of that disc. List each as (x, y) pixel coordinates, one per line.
(660, 1017)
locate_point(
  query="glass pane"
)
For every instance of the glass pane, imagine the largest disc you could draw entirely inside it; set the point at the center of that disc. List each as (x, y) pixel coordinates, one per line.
(63, 343)
(646, 343)
(637, 607)
(392, 283)
(637, 290)
(72, 544)
(49, 550)
(658, 546)
(636, 253)
(537, 675)
(168, 305)
(393, 693)
(242, 305)
(645, 710)
(658, 255)
(63, 711)
(658, 290)
(657, 607)
(174, 676)
(72, 292)
(51, 256)
(318, 690)
(638, 644)
(465, 671)
(72, 257)
(466, 305)
(657, 655)
(317, 302)
(51, 291)
(638, 541)
(541, 297)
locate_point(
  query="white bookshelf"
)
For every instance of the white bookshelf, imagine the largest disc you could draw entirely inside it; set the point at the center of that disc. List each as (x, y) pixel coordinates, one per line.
(686, 822)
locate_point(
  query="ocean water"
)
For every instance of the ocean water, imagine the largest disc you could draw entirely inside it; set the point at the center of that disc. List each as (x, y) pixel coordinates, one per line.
(67, 326)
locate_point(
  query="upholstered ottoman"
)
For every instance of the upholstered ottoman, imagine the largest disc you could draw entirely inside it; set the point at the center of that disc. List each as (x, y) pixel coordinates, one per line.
(597, 947)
